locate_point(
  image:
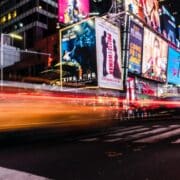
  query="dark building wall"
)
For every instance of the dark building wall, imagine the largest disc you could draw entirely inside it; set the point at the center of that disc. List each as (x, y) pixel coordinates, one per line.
(50, 45)
(33, 19)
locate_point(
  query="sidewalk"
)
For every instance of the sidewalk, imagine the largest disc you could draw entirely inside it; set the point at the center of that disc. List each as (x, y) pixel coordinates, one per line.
(45, 87)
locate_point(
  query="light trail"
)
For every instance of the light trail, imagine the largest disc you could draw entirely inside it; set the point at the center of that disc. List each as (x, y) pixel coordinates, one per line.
(26, 109)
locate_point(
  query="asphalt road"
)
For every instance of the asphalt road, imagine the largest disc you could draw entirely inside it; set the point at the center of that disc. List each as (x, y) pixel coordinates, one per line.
(147, 150)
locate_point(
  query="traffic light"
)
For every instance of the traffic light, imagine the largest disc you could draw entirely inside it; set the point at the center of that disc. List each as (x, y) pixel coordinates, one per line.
(50, 59)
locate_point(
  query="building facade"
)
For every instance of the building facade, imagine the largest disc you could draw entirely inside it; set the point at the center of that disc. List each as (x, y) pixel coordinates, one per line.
(32, 19)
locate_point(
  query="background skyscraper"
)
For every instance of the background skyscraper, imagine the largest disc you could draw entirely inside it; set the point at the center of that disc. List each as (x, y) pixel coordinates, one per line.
(32, 19)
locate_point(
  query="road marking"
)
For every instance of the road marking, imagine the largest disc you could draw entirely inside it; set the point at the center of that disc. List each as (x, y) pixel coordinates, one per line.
(139, 134)
(156, 126)
(7, 174)
(128, 132)
(159, 137)
(152, 132)
(89, 139)
(176, 141)
(174, 126)
(124, 129)
(113, 140)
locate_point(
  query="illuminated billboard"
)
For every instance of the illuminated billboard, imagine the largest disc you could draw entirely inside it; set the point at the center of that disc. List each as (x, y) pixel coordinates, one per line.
(144, 87)
(136, 7)
(71, 11)
(173, 66)
(135, 48)
(168, 25)
(108, 49)
(78, 52)
(146, 10)
(167, 90)
(154, 61)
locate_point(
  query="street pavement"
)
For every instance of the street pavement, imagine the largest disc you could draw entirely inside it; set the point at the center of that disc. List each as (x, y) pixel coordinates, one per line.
(147, 150)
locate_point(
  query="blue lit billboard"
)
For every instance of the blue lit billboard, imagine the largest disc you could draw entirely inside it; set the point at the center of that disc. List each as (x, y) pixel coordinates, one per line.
(135, 48)
(168, 25)
(78, 52)
(174, 66)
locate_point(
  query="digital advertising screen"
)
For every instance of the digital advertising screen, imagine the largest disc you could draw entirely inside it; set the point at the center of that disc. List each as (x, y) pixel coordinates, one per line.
(144, 87)
(135, 48)
(168, 25)
(173, 66)
(135, 7)
(154, 63)
(72, 11)
(146, 10)
(108, 49)
(78, 52)
(167, 90)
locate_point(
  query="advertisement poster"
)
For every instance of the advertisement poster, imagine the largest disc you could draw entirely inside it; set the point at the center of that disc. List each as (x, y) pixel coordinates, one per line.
(72, 11)
(108, 49)
(78, 52)
(173, 66)
(168, 25)
(143, 87)
(135, 48)
(167, 90)
(154, 63)
(146, 10)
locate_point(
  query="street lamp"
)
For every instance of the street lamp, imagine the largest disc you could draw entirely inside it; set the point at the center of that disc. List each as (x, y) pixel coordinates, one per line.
(14, 36)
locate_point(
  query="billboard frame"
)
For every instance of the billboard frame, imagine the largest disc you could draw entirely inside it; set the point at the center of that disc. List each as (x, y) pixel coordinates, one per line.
(168, 63)
(120, 59)
(161, 38)
(132, 21)
(60, 49)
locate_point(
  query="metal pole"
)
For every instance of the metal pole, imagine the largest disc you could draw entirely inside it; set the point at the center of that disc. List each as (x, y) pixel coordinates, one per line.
(34, 52)
(24, 42)
(60, 60)
(1, 59)
(126, 49)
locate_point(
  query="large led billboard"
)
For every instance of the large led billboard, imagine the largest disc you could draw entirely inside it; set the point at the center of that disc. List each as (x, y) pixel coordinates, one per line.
(108, 49)
(78, 52)
(154, 61)
(135, 48)
(168, 25)
(173, 66)
(71, 11)
(146, 10)
(135, 7)
(144, 87)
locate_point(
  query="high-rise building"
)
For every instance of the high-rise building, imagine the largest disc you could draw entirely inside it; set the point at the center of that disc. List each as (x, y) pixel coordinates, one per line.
(32, 19)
